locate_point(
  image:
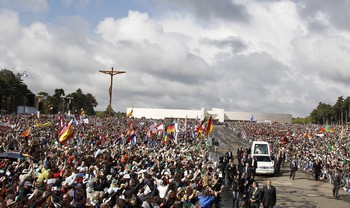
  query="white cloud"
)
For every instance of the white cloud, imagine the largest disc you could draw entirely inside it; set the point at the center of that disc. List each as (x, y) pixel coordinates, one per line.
(266, 59)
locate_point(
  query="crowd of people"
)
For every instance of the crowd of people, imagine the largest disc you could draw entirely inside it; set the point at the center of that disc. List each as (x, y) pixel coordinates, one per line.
(321, 150)
(108, 162)
(129, 162)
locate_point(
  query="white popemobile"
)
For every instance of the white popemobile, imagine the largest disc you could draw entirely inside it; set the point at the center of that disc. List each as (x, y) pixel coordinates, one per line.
(262, 153)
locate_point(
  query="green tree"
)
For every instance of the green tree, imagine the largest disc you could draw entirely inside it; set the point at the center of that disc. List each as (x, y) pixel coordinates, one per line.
(337, 110)
(56, 101)
(346, 109)
(43, 99)
(13, 92)
(306, 120)
(80, 101)
(322, 114)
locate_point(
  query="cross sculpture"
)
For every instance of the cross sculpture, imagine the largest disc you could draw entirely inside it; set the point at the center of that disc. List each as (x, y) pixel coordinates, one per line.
(111, 73)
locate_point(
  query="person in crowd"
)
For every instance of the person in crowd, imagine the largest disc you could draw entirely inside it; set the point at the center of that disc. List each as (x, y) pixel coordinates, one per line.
(240, 152)
(336, 181)
(293, 169)
(236, 195)
(269, 196)
(223, 164)
(255, 195)
(231, 173)
(206, 198)
(317, 168)
(254, 165)
(229, 155)
(247, 172)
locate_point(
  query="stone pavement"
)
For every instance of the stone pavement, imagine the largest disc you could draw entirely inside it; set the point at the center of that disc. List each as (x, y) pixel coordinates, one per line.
(303, 192)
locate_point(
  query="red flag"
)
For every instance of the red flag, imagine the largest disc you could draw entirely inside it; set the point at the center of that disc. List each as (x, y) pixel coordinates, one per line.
(26, 133)
(130, 113)
(170, 129)
(66, 133)
(209, 126)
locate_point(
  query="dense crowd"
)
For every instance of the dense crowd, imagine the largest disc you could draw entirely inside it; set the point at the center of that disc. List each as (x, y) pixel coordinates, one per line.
(109, 162)
(318, 149)
(129, 162)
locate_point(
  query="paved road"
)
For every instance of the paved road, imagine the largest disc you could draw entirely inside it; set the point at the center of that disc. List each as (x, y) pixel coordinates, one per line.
(301, 192)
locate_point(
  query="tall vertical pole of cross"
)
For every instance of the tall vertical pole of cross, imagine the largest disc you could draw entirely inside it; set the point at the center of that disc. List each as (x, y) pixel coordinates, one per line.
(111, 73)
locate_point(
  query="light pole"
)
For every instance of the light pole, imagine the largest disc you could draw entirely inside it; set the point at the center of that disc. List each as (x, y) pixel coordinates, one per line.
(111, 73)
(39, 105)
(63, 103)
(69, 104)
(24, 74)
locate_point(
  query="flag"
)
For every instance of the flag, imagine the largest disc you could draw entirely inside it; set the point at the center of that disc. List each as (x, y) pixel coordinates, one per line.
(133, 139)
(165, 139)
(209, 127)
(252, 119)
(5, 125)
(27, 132)
(66, 133)
(327, 128)
(119, 139)
(130, 113)
(130, 135)
(176, 132)
(61, 121)
(170, 129)
(75, 120)
(200, 126)
(199, 129)
(153, 128)
(322, 130)
(130, 125)
(160, 127)
(148, 135)
(43, 124)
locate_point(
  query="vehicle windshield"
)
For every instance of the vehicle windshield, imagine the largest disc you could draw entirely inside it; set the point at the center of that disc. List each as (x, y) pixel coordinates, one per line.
(261, 149)
(263, 158)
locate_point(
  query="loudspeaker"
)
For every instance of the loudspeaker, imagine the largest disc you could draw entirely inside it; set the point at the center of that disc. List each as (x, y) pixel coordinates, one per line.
(30, 99)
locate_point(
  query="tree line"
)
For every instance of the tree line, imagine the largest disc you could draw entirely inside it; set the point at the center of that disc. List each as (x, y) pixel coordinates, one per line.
(14, 92)
(339, 113)
(324, 113)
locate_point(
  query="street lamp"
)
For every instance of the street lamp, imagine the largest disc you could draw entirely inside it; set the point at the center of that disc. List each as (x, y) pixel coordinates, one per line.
(24, 74)
(23, 110)
(69, 104)
(39, 105)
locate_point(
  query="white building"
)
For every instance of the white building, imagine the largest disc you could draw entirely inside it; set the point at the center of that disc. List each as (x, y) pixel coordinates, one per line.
(219, 114)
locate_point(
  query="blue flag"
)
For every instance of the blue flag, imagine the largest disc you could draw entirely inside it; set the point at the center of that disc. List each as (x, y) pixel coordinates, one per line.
(252, 119)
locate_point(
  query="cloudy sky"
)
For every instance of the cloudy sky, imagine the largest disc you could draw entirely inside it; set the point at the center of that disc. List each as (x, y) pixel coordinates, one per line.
(240, 55)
